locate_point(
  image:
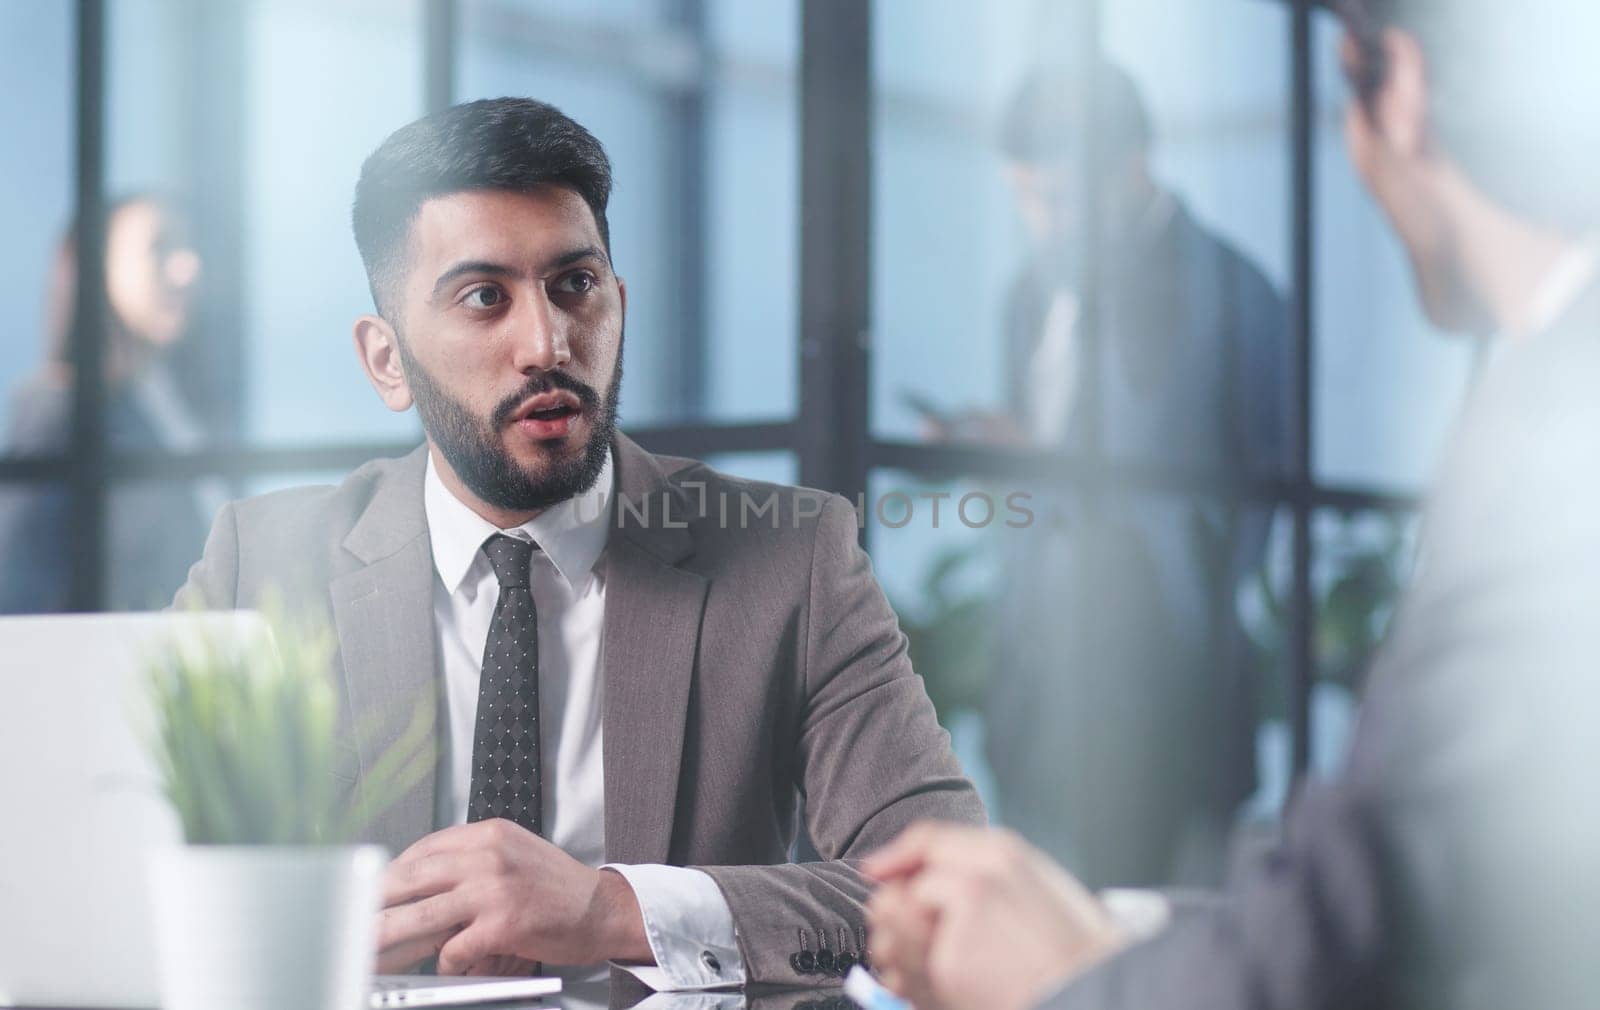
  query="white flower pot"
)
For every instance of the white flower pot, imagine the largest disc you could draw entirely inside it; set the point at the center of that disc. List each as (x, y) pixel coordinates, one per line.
(266, 927)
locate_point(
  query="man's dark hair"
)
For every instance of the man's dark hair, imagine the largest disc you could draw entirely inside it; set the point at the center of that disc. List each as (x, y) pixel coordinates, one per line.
(513, 144)
(1051, 111)
(1511, 88)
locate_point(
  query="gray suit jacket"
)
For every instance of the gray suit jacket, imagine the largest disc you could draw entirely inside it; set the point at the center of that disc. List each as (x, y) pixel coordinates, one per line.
(1454, 863)
(749, 662)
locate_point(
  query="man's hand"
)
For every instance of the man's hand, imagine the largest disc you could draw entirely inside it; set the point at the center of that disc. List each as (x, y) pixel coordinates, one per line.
(969, 917)
(489, 895)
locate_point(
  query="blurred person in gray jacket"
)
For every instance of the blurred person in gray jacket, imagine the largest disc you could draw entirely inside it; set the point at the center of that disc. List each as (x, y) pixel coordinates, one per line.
(1119, 623)
(1454, 862)
(151, 277)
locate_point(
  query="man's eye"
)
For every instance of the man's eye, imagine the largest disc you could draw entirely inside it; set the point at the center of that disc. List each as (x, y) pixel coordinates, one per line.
(580, 282)
(484, 298)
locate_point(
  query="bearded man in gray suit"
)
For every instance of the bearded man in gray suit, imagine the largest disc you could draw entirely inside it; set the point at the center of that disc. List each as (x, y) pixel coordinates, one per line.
(1454, 862)
(644, 664)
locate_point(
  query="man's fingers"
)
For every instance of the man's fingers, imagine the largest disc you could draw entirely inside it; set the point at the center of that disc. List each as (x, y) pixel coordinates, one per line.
(899, 940)
(504, 966)
(451, 839)
(965, 888)
(892, 979)
(923, 843)
(899, 922)
(422, 877)
(899, 932)
(440, 914)
(901, 857)
(472, 946)
(487, 968)
(402, 959)
(938, 888)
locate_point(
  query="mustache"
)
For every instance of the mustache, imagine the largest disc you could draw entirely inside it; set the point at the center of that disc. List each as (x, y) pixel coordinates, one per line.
(543, 383)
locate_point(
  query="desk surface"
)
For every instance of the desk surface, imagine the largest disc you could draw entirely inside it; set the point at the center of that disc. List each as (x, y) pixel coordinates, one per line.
(623, 992)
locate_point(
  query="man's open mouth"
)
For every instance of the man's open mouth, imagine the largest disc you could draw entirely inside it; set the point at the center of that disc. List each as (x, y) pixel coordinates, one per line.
(550, 406)
(549, 416)
(552, 413)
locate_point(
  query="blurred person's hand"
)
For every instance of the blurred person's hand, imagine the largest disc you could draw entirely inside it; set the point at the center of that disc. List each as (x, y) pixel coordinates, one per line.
(969, 917)
(491, 897)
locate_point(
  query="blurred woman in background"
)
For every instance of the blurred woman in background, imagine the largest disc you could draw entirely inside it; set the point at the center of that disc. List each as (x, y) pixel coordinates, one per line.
(151, 276)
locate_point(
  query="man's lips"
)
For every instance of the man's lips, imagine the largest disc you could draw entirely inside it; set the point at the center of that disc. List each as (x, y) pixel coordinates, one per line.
(548, 416)
(549, 406)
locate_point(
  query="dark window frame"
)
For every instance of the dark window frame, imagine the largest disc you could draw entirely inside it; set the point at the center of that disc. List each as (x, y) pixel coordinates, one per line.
(830, 437)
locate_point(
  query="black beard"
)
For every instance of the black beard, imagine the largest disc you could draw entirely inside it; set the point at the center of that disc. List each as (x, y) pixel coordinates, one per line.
(472, 448)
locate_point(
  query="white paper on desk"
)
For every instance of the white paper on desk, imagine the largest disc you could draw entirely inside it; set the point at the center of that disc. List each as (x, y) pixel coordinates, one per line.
(656, 978)
(692, 1000)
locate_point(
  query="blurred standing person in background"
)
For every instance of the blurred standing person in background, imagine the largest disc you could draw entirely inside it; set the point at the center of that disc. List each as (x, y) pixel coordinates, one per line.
(151, 274)
(1120, 625)
(1456, 861)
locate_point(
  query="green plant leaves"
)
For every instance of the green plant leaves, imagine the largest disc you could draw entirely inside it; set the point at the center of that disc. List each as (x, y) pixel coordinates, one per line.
(246, 734)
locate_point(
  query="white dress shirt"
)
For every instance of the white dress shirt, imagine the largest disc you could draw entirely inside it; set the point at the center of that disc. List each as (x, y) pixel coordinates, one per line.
(1051, 389)
(686, 918)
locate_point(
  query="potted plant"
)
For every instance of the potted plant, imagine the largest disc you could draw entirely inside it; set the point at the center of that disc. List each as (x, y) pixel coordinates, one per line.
(268, 904)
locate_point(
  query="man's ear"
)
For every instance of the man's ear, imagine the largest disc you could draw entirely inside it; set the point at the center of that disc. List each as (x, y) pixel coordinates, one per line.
(1400, 103)
(378, 347)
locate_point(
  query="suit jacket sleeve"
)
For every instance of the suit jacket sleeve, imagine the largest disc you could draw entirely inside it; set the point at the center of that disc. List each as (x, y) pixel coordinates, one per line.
(1294, 930)
(871, 757)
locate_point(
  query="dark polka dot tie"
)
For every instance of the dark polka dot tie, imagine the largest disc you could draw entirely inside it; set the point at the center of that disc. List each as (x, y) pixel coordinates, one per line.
(505, 743)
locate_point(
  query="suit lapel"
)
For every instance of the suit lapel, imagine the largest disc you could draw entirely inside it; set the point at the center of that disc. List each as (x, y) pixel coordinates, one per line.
(650, 639)
(383, 613)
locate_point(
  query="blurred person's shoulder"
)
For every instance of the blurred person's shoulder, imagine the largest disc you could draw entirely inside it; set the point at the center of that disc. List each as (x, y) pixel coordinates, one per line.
(1519, 484)
(1539, 398)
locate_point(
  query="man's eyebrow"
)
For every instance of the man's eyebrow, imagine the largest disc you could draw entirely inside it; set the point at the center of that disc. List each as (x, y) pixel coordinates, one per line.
(572, 256)
(492, 269)
(470, 267)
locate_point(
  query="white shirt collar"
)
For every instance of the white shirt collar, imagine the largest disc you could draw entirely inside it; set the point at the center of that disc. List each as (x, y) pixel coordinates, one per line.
(572, 534)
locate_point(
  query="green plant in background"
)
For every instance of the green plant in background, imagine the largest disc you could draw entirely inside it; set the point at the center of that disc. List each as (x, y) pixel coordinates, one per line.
(1365, 572)
(245, 736)
(951, 637)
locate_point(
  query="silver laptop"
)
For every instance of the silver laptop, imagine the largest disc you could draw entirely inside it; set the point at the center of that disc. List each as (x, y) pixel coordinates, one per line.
(430, 990)
(80, 805)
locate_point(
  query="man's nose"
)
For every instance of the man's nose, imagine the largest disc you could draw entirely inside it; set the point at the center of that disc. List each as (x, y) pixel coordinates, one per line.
(540, 336)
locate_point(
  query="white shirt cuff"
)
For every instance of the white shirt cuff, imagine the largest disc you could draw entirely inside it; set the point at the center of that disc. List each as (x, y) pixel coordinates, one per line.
(689, 926)
(1141, 913)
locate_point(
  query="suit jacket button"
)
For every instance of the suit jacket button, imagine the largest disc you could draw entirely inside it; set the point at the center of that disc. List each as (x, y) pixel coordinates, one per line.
(710, 961)
(825, 961)
(844, 963)
(804, 963)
